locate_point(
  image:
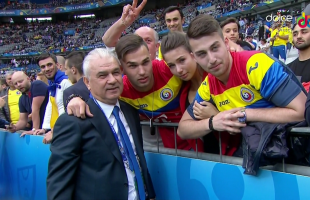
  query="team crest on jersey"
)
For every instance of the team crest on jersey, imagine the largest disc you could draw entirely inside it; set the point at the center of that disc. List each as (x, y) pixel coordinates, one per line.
(166, 94)
(18, 92)
(247, 95)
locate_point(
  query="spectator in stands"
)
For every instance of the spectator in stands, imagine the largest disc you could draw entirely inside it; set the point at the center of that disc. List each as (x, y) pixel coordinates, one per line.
(264, 46)
(174, 18)
(230, 28)
(74, 70)
(61, 63)
(9, 101)
(249, 39)
(4, 109)
(301, 65)
(245, 86)
(58, 82)
(92, 150)
(33, 101)
(279, 38)
(288, 29)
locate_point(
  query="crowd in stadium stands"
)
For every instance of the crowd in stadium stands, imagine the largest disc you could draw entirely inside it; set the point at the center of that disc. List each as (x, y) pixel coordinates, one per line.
(53, 3)
(42, 36)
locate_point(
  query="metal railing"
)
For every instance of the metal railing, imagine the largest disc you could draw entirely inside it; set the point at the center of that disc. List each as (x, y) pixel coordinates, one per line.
(281, 167)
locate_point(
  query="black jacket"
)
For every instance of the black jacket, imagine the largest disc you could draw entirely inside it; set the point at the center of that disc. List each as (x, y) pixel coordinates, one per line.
(263, 144)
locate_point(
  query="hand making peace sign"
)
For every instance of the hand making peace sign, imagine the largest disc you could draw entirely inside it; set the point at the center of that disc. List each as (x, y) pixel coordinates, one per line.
(130, 12)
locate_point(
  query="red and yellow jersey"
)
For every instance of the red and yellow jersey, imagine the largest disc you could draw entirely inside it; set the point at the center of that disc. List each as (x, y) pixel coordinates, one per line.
(162, 103)
(255, 81)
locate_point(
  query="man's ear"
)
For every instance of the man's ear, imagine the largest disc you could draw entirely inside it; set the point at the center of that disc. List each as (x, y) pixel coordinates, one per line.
(157, 46)
(73, 69)
(86, 81)
(226, 41)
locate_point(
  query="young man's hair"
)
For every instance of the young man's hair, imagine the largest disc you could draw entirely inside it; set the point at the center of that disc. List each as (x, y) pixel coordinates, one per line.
(45, 56)
(263, 40)
(171, 9)
(75, 59)
(230, 20)
(172, 41)
(3, 82)
(127, 44)
(203, 25)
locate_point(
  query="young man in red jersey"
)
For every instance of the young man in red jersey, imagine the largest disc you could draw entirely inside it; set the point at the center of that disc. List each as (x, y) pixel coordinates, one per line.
(245, 86)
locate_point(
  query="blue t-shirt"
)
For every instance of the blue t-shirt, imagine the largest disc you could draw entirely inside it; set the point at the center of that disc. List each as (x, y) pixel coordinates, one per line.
(38, 88)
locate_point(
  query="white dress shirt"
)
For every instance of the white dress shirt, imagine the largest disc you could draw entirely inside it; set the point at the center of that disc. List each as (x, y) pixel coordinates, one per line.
(107, 109)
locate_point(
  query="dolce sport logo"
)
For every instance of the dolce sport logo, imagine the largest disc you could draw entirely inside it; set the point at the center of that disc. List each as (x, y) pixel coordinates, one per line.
(303, 21)
(279, 18)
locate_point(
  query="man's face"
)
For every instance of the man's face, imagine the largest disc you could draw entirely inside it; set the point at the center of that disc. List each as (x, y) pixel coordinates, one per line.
(181, 63)
(211, 53)
(148, 36)
(301, 37)
(8, 79)
(137, 66)
(230, 31)
(22, 83)
(60, 67)
(48, 68)
(69, 72)
(174, 21)
(105, 80)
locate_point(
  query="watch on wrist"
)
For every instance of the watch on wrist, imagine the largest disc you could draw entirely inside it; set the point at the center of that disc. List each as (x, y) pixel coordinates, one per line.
(242, 119)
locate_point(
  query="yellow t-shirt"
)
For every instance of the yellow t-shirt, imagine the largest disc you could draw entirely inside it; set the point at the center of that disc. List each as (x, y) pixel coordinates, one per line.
(288, 31)
(13, 102)
(160, 56)
(278, 41)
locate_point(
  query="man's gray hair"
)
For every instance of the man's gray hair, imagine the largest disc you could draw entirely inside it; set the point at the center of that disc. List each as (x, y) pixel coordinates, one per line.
(95, 54)
(9, 73)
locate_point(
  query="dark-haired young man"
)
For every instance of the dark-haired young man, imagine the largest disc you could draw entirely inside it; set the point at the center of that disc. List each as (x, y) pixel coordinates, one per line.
(58, 82)
(230, 28)
(174, 18)
(74, 71)
(246, 86)
(301, 65)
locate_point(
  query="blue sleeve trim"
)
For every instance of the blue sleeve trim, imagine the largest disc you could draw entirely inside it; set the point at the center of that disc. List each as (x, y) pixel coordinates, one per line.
(285, 93)
(190, 108)
(272, 80)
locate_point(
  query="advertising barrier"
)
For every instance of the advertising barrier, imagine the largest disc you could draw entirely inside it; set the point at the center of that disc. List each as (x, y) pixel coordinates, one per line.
(62, 9)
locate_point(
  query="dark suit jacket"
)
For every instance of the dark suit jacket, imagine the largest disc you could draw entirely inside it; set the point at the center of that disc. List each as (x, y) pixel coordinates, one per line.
(86, 162)
(78, 88)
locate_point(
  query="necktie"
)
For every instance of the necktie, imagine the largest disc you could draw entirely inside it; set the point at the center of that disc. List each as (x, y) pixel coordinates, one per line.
(132, 158)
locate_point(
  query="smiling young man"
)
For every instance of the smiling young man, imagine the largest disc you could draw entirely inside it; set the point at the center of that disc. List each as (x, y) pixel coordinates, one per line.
(230, 28)
(245, 86)
(58, 82)
(174, 18)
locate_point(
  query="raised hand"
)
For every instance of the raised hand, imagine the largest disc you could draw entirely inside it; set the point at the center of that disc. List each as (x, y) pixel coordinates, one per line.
(131, 12)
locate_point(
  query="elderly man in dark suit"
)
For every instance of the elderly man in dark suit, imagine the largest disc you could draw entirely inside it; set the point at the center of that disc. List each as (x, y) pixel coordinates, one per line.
(100, 157)
(74, 71)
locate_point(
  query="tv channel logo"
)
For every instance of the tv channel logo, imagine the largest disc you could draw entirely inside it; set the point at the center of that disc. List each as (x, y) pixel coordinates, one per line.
(279, 18)
(303, 21)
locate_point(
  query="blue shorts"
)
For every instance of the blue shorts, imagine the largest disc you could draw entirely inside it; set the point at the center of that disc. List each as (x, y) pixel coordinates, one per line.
(279, 50)
(288, 46)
